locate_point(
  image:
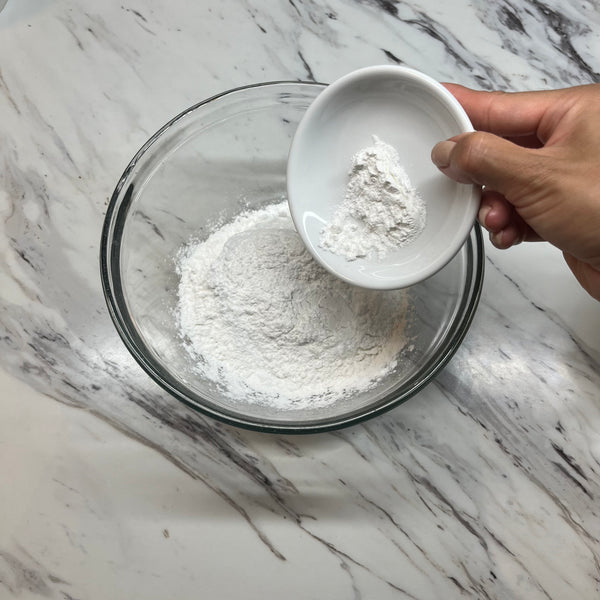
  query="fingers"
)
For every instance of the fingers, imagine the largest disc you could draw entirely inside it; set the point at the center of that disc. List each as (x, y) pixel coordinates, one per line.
(505, 225)
(488, 160)
(505, 114)
(494, 212)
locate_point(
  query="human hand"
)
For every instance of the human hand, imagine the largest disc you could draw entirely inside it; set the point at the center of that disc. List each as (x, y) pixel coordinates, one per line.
(537, 154)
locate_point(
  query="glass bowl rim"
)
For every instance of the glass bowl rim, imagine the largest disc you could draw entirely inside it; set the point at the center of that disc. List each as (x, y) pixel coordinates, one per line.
(114, 220)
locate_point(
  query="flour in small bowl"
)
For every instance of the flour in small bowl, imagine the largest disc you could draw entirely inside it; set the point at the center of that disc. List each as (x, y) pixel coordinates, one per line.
(269, 325)
(381, 210)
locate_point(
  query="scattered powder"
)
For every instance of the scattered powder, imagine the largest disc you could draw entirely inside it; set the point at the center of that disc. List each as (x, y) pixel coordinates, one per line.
(267, 323)
(381, 211)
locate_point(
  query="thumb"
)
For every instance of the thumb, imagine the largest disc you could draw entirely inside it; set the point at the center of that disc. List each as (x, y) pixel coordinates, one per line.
(487, 159)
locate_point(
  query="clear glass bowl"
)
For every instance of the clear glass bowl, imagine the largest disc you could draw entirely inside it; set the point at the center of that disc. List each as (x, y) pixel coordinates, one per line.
(208, 164)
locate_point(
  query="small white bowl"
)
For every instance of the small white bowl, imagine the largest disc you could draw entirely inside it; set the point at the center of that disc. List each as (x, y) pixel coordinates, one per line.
(410, 111)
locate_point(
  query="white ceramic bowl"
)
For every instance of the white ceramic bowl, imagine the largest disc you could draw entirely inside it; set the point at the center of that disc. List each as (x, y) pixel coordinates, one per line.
(410, 111)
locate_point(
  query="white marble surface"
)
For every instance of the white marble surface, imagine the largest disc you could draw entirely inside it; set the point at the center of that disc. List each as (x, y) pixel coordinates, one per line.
(485, 485)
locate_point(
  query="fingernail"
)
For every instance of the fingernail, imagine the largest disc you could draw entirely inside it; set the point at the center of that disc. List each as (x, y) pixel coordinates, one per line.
(496, 239)
(500, 239)
(507, 237)
(484, 211)
(440, 155)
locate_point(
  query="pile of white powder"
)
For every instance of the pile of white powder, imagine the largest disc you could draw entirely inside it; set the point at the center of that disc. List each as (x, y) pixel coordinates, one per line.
(263, 320)
(381, 211)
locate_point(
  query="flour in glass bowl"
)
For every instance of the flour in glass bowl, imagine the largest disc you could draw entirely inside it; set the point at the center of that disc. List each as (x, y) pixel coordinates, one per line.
(269, 325)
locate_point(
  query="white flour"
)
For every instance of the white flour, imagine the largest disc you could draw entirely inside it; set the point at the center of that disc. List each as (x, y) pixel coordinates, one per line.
(261, 317)
(381, 210)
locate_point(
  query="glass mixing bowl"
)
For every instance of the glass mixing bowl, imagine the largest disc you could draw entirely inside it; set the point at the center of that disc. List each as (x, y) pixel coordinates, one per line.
(217, 159)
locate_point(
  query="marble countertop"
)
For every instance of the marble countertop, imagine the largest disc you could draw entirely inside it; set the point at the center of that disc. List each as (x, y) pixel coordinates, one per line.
(485, 485)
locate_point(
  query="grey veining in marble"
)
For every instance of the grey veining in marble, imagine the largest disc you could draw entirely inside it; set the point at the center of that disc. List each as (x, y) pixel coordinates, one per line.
(485, 485)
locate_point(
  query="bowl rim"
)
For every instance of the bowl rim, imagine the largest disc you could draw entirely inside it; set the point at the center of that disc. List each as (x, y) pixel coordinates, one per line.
(109, 255)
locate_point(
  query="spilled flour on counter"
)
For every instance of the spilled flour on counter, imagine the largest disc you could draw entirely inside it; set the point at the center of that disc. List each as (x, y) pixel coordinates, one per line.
(381, 211)
(268, 324)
